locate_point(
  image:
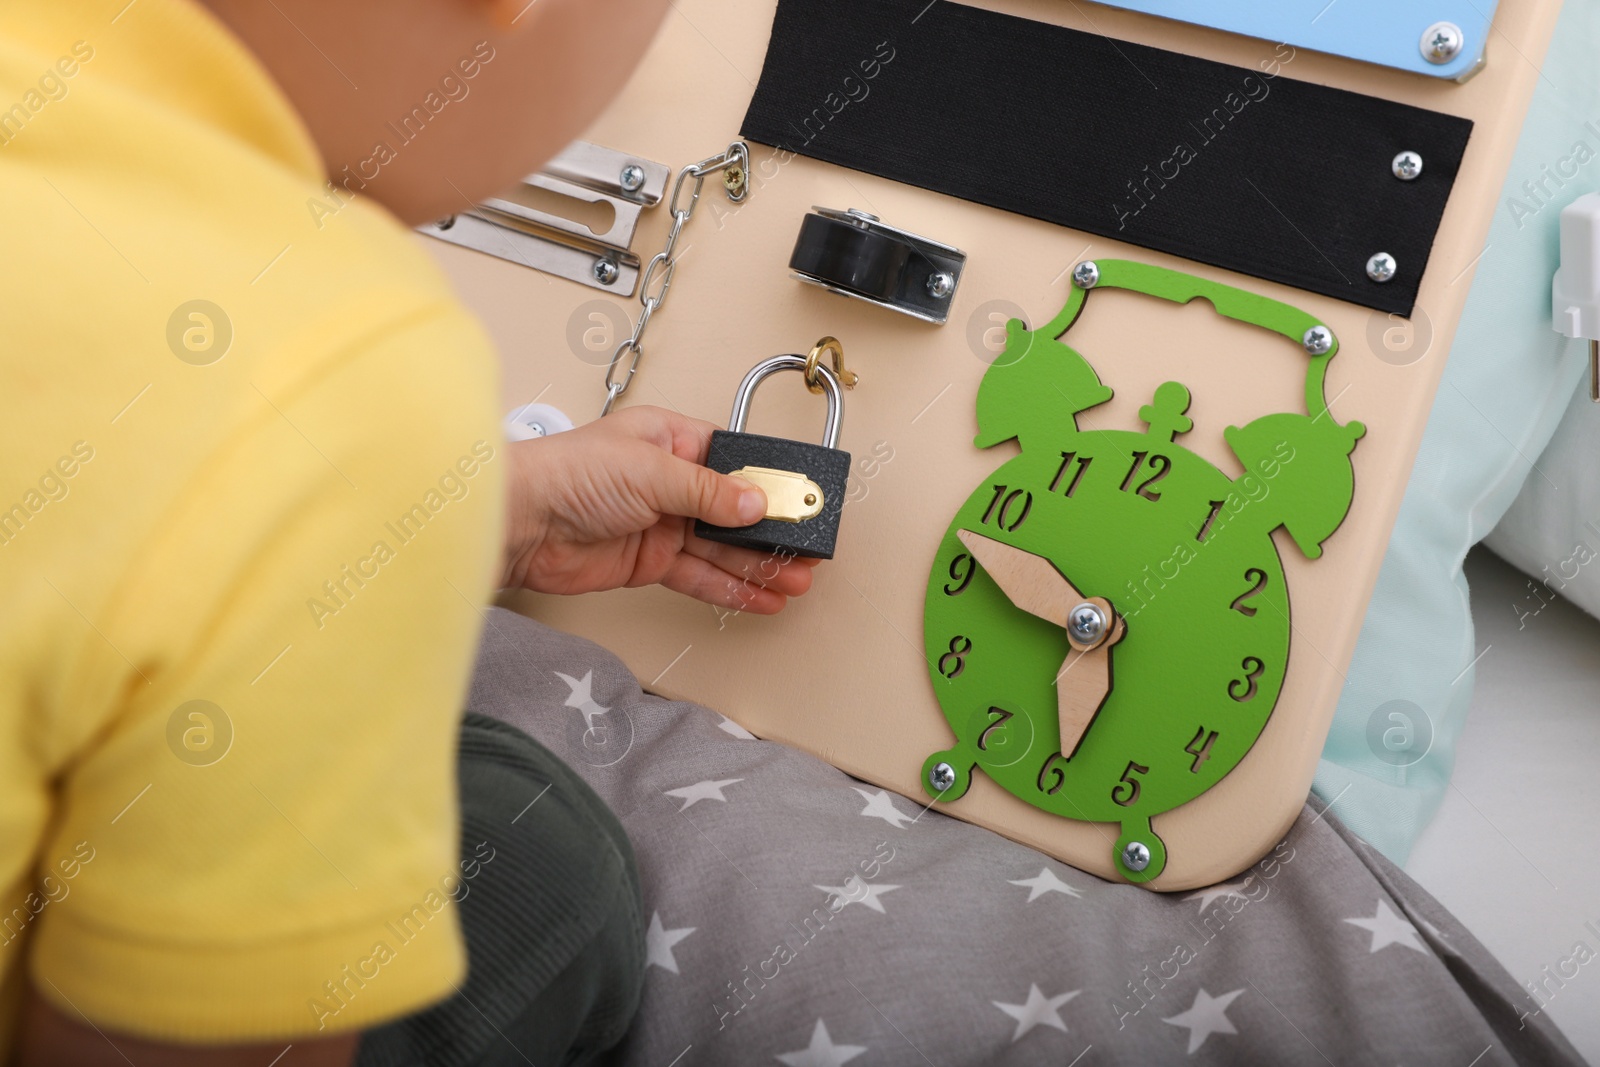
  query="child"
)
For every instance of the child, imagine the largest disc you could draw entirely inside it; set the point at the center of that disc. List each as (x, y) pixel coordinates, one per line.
(253, 501)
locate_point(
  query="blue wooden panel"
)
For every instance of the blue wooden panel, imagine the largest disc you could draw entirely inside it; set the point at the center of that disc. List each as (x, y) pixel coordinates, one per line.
(1386, 32)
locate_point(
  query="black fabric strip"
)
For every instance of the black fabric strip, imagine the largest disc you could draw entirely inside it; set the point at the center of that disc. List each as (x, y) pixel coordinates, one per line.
(1245, 169)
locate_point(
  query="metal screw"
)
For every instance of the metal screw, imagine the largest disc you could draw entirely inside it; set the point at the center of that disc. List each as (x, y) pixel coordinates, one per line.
(1442, 42)
(1086, 275)
(1086, 623)
(941, 776)
(1407, 166)
(811, 498)
(861, 218)
(1381, 267)
(941, 285)
(605, 271)
(1317, 340)
(446, 222)
(1135, 856)
(632, 178)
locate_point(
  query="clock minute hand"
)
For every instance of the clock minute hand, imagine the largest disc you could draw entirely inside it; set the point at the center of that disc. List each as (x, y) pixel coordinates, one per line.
(1034, 584)
(1030, 581)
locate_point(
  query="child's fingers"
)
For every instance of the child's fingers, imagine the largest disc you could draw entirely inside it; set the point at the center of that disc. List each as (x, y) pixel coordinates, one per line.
(673, 486)
(705, 581)
(685, 437)
(760, 568)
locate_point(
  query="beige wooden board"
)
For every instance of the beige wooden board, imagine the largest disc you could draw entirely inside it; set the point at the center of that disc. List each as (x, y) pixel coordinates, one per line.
(841, 673)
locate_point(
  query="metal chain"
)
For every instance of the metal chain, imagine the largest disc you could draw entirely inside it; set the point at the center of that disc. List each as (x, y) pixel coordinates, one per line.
(734, 164)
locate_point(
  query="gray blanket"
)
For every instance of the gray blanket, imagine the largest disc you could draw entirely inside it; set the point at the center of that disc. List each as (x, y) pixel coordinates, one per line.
(800, 916)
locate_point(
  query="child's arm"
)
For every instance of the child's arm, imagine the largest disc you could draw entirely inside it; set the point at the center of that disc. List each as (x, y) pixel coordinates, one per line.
(608, 505)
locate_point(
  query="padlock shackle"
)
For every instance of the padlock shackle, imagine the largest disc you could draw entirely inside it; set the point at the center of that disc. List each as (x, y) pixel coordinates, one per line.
(768, 367)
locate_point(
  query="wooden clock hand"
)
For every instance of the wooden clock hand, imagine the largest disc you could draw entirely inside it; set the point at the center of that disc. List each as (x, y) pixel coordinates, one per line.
(1035, 585)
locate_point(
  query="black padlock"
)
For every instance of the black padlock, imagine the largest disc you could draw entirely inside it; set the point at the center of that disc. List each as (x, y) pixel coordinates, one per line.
(804, 483)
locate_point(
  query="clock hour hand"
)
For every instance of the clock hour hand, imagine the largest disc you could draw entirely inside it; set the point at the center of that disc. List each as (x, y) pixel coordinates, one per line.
(1034, 584)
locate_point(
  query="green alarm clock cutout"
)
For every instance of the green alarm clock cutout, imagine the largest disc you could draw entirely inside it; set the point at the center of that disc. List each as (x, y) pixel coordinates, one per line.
(1107, 621)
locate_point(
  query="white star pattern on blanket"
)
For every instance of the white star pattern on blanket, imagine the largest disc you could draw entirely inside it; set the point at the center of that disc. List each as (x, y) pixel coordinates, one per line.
(728, 726)
(1387, 928)
(582, 697)
(1038, 1010)
(658, 941)
(694, 794)
(855, 891)
(1206, 1016)
(1211, 894)
(1046, 882)
(822, 1052)
(880, 805)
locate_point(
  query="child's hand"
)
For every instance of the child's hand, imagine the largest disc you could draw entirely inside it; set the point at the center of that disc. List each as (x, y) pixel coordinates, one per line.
(609, 504)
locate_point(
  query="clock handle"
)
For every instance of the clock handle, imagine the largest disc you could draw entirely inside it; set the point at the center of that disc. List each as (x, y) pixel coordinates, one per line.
(1241, 305)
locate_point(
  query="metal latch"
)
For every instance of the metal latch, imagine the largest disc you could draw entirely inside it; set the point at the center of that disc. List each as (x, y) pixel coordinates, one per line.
(791, 497)
(522, 224)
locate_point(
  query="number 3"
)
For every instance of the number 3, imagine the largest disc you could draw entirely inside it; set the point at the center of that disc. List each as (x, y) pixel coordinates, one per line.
(1252, 668)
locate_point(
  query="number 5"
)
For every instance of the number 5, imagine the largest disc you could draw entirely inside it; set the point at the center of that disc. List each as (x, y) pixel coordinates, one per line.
(1132, 784)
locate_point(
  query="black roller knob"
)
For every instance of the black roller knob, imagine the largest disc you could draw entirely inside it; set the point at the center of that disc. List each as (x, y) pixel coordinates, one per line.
(850, 257)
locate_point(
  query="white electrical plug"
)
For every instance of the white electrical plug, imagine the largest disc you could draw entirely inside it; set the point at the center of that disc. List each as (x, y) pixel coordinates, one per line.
(1575, 304)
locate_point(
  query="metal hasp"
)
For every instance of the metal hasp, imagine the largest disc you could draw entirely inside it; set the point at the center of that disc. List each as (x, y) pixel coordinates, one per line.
(510, 227)
(1441, 38)
(858, 255)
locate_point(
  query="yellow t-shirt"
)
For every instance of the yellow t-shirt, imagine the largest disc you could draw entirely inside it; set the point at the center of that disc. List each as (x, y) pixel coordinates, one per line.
(250, 510)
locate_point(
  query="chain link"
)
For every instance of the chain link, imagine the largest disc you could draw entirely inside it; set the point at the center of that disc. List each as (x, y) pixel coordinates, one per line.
(656, 281)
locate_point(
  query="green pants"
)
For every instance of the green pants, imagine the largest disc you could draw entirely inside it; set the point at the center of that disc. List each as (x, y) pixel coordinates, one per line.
(555, 936)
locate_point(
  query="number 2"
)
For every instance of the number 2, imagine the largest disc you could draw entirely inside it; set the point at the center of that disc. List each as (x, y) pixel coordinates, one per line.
(1258, 578)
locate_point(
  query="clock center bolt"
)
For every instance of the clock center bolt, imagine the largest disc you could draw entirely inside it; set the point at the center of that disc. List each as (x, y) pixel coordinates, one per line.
(1087, 624)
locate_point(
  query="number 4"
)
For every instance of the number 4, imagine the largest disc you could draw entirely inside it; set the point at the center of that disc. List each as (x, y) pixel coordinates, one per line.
(1200, 751)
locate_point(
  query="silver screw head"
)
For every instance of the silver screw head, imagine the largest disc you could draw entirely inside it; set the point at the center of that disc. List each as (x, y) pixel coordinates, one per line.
(1086, 275)
(1317, 340)
(861, 216)
(1086, 623)
(632, 178)
(1442, 42)
(1381, 267)
(605, 271)
(941, 776)
(941, 284)
(1407, 166)
(1135, 856)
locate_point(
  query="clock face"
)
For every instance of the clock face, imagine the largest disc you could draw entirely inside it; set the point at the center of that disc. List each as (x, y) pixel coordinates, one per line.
(1107, 623)
(1159, 532)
